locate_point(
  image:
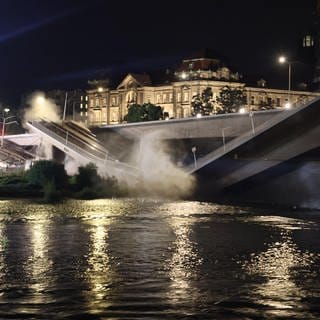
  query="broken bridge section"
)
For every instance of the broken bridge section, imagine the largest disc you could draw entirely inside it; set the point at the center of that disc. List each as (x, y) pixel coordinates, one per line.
(80, 144)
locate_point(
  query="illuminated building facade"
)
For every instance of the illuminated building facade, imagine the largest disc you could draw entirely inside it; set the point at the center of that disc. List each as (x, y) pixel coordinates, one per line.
(174, 94)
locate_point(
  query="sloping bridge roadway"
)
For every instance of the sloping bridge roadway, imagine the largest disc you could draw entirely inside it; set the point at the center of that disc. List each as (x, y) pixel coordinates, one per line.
(77, 145)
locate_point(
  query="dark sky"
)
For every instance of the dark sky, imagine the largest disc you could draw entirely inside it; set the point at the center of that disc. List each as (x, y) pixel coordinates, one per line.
(46, 43)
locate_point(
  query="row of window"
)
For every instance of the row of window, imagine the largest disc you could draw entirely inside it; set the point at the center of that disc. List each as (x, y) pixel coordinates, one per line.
(181, 97)
(168, 97)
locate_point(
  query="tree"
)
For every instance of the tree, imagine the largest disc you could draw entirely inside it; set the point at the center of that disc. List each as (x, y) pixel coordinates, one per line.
(145, 112)
(202, 103)
(230, 99)
(46, 172)
(153, 112)
(87, 176)
(136, 113)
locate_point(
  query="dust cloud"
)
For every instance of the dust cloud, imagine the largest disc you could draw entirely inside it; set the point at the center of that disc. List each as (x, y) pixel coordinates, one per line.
(41, 108)
(159, 174)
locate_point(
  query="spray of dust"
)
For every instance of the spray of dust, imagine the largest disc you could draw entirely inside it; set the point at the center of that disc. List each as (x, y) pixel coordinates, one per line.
(160, 175)
(41, 108)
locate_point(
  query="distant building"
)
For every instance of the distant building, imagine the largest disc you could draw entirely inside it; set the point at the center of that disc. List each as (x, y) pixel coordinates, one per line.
(316, 79)
(76, 103)
(174, 93)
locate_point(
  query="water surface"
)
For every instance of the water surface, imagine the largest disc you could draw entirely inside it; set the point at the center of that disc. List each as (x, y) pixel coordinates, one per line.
(149, 259)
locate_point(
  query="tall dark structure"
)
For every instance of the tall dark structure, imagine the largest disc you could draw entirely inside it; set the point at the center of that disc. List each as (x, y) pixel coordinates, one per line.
(316, 79)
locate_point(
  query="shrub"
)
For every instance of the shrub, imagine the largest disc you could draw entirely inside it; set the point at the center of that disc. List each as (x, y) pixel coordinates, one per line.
(45, 172)
(87, 177)
(50, 192)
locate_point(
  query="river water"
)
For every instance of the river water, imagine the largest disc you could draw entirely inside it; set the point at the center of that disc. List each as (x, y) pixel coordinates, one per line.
(151, 259)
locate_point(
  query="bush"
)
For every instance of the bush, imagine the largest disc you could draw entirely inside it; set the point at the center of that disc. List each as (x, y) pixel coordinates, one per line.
(87, 177)
(50, 193)
(45, 172)
(88, 193)
(12, 179)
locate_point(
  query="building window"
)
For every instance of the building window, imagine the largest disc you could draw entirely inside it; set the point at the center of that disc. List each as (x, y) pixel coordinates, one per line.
(252, 100)
(86, 114)
(186, 96)
(81, 98)
(92, 103)
(178, 97)
(164, 97)
(86, 98)
(308, 41)
(97, 102)
(81, 113)
(170, 97)
(278, 102)
(191, 65)
(86, 106)
(113, 101)
(104, 101)
(158, 98)
(81, 105)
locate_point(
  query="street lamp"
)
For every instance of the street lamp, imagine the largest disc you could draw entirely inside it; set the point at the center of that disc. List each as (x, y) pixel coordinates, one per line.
(224, 137)
(252, 122)
(194, 149)
(283, 60)
(39, 99)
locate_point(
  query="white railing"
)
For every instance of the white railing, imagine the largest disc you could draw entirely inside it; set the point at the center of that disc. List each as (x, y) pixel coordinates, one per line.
(99, 158)
(236, 142)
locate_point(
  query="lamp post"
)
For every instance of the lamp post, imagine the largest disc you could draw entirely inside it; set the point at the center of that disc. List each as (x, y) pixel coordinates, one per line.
(4, 123)
(224, 138)
(194, 149)
(283, 60)
(252, 122)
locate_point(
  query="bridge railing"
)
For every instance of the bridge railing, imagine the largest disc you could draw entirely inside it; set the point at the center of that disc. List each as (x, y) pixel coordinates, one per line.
(98, 158)
(236, 142)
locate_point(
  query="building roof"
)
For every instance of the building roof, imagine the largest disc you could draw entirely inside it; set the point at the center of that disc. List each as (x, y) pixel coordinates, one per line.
(138, 79)
(143, 79)
(205, 53)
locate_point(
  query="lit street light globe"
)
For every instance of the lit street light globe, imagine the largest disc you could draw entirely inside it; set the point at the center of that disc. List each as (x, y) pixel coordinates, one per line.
(6, 110)
(242, 110)
(282, 59)
(40, 99)
(287, 105)
(183, 75)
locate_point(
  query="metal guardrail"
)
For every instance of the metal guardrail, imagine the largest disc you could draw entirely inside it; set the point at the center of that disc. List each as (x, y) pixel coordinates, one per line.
(236, 142)
(102, 159)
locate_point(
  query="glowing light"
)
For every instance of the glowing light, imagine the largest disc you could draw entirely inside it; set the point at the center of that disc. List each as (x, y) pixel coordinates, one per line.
(166, 118)
(199, 115)
(100, 89)
(183, 75)
(282, 59)
(6, 110)
(288, 105)
(40, 99)
(242, 110)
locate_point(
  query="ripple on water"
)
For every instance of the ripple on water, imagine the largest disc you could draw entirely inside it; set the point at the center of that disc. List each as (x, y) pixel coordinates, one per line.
(152, 259)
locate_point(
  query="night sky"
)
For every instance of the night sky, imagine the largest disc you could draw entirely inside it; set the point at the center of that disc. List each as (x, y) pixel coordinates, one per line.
(52, 44)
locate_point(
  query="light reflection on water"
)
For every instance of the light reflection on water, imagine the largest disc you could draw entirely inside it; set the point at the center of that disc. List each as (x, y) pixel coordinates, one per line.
(184, 262)
(152, 259)
(280, 265)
